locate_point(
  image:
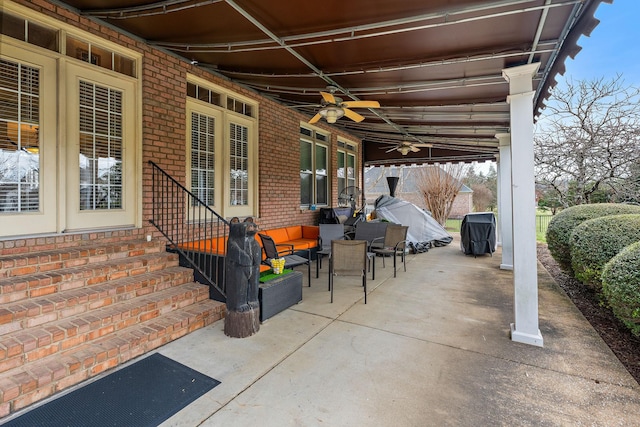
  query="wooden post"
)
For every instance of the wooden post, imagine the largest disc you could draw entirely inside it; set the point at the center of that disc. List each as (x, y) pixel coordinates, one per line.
(242, 273)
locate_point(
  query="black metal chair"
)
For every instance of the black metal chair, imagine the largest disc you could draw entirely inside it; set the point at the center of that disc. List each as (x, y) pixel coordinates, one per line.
(328, 232)
(348, 257)
(271, 251)
(395, 242)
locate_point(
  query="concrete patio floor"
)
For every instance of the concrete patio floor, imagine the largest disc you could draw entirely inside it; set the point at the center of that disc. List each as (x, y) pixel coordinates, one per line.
(430, 348)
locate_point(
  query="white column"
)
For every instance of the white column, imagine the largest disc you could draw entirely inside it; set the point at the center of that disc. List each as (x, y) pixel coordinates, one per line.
(498, 219)
(525, 269)
(505, 212)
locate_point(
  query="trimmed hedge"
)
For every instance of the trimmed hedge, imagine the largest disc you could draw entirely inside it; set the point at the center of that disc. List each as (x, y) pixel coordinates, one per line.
(561, 226)
(595, 241)
(621, 286)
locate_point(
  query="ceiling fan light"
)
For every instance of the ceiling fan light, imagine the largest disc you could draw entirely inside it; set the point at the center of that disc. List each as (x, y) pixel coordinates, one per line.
(404, 150)
(331, 114)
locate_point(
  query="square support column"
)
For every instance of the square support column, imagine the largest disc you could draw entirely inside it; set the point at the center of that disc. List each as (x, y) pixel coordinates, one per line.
(525, 269)
(505, 212)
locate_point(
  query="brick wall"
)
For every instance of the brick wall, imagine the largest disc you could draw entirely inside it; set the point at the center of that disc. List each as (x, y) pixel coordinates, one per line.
(164, 128)
(462, 205)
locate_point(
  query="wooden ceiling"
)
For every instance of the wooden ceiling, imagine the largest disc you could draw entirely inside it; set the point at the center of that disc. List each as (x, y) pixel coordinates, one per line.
(435, 66)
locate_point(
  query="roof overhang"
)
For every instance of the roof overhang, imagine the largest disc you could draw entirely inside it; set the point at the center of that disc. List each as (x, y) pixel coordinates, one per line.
(435, 66)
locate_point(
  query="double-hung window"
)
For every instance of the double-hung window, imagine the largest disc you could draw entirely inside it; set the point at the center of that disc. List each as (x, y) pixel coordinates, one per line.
(347, 173)
(314, 168)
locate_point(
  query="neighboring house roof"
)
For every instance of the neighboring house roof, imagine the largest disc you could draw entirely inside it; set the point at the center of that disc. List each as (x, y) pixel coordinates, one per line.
(465, 189)
(376, 182)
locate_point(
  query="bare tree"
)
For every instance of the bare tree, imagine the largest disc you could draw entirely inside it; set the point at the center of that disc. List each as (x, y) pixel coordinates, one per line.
(588, 139)
(482, 197)
(439, 185)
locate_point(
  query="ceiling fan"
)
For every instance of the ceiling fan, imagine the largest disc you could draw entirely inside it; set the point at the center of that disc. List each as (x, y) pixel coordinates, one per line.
(405, 147)
(334, 107)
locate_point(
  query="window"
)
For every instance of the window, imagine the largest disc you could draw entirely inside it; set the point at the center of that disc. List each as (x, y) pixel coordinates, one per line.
(203, 157)
(100, 147)
(96, 55)
(314, 165)
(73, 165)
(28, 31)
(347, 171)
(39, 35)
(19, 142)
(239, 164)
(222, 146)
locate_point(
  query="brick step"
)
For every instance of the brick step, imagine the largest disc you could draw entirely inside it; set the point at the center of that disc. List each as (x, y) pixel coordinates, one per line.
(34, 312)
(19, 288)
(24, 385)
(47, 260)
(16, 248)
(28, 345)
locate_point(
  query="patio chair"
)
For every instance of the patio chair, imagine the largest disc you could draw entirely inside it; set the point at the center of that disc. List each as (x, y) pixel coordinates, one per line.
(328, 232)
(271, 251)
(370, 232)
(348, 258)
(395, 242)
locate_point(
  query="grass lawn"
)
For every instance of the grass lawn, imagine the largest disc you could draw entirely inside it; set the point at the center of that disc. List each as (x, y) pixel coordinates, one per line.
(542, 220)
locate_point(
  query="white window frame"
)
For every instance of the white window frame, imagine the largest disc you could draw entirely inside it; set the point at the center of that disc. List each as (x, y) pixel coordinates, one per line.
(59, 128)
(315, 142)
(223, 201)
(347, 149)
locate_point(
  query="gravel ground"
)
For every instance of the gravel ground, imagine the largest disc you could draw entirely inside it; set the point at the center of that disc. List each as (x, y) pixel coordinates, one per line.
(622, 342)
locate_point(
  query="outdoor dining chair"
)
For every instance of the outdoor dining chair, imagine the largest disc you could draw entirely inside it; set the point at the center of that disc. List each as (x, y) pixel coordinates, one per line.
(395, 242)
(370, 231)
(271, 251)
(348, 258)
(328, 232)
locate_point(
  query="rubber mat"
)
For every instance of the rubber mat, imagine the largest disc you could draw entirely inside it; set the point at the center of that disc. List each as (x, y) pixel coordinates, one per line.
(145, 393)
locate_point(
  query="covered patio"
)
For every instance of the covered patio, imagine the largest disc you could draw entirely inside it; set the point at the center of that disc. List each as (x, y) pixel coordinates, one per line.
(430, 347)
(456, 82)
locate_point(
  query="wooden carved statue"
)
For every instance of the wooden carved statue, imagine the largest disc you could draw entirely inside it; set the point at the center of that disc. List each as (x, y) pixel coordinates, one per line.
(242, 272)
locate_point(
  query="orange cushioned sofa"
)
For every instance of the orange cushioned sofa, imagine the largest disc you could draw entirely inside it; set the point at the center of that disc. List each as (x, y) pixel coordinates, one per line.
(302, 237)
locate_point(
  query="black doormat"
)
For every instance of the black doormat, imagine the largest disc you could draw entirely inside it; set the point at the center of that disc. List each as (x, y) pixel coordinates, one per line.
(145, 393)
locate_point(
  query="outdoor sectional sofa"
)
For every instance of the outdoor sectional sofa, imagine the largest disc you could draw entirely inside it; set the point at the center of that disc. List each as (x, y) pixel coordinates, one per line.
(302, 238)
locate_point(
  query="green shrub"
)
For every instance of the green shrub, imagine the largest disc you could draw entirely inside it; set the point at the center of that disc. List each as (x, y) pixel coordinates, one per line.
(595, 241)
(561, 226)
(621, 286)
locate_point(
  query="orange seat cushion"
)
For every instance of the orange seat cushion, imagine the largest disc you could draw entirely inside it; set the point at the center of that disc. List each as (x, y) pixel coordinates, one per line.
(302, 237)
(302, 244)
(294, 233)
(311, 232)
(216, 246)
(279, 235)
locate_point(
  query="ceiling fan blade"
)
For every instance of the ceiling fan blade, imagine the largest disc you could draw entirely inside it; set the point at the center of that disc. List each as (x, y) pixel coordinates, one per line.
(315, 118)
(391, 149)
(328, 97)
(304, 105)
(353, 115)
(361, 104)
(414, 149)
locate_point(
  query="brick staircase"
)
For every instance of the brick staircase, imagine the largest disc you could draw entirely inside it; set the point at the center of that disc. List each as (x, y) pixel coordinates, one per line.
(69, 314)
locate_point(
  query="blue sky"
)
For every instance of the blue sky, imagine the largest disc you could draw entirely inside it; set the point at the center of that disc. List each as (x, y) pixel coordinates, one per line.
(613, 46)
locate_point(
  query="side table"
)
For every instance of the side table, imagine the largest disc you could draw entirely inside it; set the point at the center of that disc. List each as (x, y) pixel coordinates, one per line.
(279, 293)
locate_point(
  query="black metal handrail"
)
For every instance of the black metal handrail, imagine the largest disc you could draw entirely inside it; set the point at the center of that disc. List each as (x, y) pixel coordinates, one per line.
(188, 223)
